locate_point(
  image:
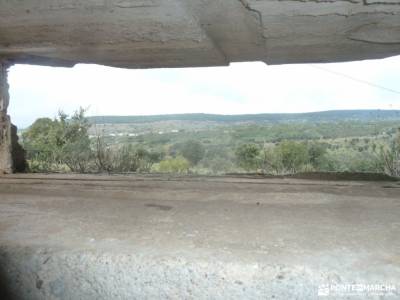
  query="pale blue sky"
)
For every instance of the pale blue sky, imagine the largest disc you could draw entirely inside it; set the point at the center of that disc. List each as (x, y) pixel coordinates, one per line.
(240, 88)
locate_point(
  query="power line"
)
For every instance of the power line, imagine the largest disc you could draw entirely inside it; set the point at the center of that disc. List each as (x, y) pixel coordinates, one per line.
(357, 80)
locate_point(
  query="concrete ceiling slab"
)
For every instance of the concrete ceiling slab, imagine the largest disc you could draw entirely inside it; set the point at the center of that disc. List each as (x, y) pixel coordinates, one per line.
(178, 33)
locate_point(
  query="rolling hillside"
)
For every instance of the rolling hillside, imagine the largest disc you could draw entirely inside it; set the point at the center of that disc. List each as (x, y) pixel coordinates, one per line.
(325, 116)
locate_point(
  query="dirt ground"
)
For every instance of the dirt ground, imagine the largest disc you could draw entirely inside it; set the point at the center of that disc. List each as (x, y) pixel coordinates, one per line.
(127, 237)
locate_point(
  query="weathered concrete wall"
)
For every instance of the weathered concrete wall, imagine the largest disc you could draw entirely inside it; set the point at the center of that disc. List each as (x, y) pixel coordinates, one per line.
(12, 155)
(177, 33)
(6, 163)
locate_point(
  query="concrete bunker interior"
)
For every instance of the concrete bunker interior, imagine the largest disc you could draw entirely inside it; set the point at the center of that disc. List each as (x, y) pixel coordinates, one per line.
(173, 33)
(61, 238)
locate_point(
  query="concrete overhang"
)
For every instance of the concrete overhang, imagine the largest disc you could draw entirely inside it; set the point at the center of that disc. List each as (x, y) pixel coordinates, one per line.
(185, 33)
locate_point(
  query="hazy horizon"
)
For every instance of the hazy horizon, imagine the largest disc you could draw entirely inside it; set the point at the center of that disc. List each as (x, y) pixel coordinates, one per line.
(250, 114)
(241, 88)
(239, 114)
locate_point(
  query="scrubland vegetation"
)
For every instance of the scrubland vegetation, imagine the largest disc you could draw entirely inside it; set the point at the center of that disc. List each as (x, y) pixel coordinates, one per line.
(348, 141)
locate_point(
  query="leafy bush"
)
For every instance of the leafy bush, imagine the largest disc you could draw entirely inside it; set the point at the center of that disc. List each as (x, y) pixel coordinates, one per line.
(124, 158)
(52, 144)
(193, 151)
(390, 156)
(293, 155)
(63, 144)
(247, 156)
(173, 165)
(350, 160)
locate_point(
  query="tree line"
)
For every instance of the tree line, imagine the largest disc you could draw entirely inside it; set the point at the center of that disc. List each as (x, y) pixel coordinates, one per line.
(63, 144)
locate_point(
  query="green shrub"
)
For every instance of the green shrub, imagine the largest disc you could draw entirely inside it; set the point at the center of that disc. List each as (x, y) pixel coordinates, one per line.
(173, 165)
(247, 156)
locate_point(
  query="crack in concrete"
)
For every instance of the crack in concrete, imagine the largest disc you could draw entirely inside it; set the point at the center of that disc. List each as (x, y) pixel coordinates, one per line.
(373, 42)
(345, 15)
(258, 15)
(339, 14)
(321, 1)
(366, 3)
(248, 7)
(360, 39)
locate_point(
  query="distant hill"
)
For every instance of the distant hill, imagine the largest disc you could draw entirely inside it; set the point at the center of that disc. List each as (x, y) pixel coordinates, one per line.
(313, 117)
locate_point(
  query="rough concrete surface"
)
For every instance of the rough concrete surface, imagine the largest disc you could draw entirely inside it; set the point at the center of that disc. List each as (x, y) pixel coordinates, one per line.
(6, 162)
(177, 33)
(12, 155)
(141, 237)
